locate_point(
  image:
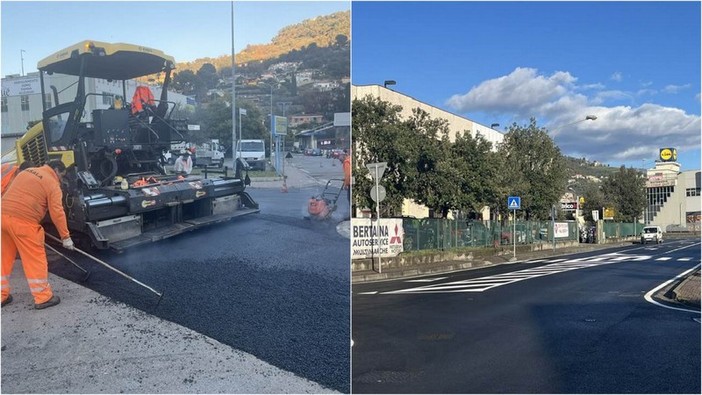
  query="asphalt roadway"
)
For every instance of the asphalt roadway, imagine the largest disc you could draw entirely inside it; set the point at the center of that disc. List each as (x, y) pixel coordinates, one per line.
(578, 323)
(250, 314)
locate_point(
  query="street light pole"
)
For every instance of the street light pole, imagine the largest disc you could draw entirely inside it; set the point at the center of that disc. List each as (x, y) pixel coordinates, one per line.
(22, 60)
(234, 165)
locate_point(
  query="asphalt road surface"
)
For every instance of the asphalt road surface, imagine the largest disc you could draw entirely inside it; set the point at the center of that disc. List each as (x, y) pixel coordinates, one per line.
(271, 284)
(571, 324)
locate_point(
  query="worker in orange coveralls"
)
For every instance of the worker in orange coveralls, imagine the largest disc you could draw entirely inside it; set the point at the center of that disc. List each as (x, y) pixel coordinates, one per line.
(9, 172)
(347, 177)
(33, 192)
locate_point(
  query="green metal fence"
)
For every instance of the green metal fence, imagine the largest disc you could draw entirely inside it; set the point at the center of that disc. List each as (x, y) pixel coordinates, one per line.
(622, 229)
(444, 234)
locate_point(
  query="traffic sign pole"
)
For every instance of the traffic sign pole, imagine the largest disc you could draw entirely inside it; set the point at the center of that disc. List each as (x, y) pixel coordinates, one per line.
(514, 203)
(376, 171)
(377, 218)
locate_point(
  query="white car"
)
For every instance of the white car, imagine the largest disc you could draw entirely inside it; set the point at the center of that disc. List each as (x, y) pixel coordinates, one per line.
(652, 234)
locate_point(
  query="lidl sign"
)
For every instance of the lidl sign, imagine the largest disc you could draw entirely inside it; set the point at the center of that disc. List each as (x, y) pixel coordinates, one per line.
(668, 154)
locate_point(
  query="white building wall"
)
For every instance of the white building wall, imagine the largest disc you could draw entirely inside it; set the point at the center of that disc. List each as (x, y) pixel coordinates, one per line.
(456, 123)
(674, 213)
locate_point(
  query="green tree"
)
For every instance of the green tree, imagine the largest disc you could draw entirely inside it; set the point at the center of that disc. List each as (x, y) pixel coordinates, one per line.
(595, 199)
(208, 75)
(187, 82)
(475, 171)
(430, 177)
(216, 121)
(378, 134)
(626, 189)
(533, 168)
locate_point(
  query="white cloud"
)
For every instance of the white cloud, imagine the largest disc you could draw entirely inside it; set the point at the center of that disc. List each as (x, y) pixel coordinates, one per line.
(604, 96)
(621, 132)
(675, 88)
(616, 76)
(520, 91)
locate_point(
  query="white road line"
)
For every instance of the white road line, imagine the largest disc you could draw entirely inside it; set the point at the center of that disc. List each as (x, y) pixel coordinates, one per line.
(481, 284)
(684, 259)
(650, 293)
(602, 258)
(425, 280)
(368, 293)
(621, 258)
(535, 261)
(664, 258)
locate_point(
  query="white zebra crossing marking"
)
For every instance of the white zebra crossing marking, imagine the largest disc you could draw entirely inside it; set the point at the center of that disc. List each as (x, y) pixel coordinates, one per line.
(482, 284)
(426, 280)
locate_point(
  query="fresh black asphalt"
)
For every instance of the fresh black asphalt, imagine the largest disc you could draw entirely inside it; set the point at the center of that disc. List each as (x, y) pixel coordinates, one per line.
(271, 284)
(588, 330)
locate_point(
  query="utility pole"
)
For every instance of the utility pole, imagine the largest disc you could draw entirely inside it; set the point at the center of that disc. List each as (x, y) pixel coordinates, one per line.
(22, 60)
(234, 165)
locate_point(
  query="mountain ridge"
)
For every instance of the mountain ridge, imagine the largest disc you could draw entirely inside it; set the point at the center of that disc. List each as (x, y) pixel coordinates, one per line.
(322, 31)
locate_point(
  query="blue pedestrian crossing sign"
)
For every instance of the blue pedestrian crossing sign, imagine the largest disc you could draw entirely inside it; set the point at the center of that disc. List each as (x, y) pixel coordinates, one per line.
(514, 202)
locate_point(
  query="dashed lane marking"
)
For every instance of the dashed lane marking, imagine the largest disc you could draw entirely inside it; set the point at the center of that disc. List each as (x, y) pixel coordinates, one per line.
(664, 258)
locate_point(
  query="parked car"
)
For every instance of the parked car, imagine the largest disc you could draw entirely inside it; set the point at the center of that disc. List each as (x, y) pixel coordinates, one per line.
(308, 151)
(316, 152)
(652, 233)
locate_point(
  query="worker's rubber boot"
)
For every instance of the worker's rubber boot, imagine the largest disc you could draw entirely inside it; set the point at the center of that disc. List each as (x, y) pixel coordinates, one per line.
(51, 302)
(7, 301)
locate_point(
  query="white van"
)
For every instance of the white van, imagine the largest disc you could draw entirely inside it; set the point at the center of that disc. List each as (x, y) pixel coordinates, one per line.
(254, 153)
(652, 233)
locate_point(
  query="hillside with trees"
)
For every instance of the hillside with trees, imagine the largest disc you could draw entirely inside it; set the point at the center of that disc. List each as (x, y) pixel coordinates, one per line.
(322, 31)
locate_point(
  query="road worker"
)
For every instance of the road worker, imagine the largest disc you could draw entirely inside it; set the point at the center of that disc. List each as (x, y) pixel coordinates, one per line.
(33, 193)
(184, 164)
(10, 171)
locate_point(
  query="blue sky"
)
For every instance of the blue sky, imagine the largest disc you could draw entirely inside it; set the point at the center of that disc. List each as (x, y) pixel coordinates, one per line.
(635, 65)
(186, 30)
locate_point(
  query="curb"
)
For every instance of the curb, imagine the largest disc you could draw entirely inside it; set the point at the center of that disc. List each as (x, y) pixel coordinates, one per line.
(687, 291)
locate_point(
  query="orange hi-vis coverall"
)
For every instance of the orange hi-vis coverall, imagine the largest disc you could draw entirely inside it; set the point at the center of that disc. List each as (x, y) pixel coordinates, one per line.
(7, 174)
(142, 96)
(347, 171)
(33, 192)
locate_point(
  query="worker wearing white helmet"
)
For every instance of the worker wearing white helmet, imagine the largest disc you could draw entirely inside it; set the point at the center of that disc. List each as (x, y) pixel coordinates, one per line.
(184, 163)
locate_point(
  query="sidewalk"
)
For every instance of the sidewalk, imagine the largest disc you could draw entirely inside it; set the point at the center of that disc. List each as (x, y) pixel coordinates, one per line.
(296, 178)
(92, 344)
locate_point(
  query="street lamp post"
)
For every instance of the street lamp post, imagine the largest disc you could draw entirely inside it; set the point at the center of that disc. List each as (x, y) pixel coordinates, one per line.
(22, 60)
